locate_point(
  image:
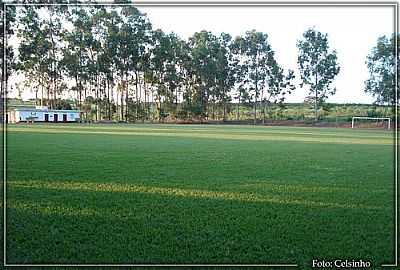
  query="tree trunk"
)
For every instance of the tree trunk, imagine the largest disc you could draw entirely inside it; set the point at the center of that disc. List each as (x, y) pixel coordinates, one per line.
(80, 95)
(151, 99)
(159, 109)
(126, 98)
(107, 82)
(41, 96)
(176, 105)
(36, 95)
(140, 100)
(255, 110)
(316, 98)
(255, 98)
(224, 116)
(111, 85)
(122, 103)
(145, 101)
(212, 111)
(262, 104)
(48, 96)
(97, 98)
(136, 96)
(238, 108)
(264, 107)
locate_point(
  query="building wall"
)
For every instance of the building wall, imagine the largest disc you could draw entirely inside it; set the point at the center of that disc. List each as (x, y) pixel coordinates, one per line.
(11, 117)
(40, 116)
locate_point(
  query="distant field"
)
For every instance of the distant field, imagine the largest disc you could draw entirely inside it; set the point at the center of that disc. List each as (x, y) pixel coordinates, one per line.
(198, 194)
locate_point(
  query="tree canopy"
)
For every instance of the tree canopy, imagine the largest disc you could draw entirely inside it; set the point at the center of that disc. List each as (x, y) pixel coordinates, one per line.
(381, 63)
(318, 65)
(113, 65)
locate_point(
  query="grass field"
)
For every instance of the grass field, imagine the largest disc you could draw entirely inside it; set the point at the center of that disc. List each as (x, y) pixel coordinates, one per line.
(198, 194)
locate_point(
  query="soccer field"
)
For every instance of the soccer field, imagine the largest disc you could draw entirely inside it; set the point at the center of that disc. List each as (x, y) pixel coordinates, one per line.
(198, 194)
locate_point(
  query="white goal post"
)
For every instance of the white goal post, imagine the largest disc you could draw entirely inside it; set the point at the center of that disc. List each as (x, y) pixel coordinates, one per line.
(370, 118)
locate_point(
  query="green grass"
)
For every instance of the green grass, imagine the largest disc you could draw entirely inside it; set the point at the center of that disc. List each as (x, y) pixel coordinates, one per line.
(198, 194)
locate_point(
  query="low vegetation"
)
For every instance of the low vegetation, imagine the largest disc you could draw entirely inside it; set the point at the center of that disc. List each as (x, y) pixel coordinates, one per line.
(198, 194)
(239, 113)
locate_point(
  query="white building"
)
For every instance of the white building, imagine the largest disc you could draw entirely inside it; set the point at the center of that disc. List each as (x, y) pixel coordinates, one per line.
(41, 114)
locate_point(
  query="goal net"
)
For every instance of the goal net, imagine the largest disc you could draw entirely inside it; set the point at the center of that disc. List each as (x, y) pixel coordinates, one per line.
(370, 122)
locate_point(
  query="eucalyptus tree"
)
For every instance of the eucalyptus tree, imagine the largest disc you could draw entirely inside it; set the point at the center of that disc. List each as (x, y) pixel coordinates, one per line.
(170, 58)
(92, 34)
(204, 47)
(256, 55)
(160, 58)
(52, 22)
(41, 46)
(8, 15)
(318, 66)
(239, 73)
(381, 64)
(110, 21)
(105, 29)
(175, 71)
(279, 84)
(188, 79)
(115, 48)
(139, 36)
(75, 59)
(122, 54)
(226, 64)
(33, 49)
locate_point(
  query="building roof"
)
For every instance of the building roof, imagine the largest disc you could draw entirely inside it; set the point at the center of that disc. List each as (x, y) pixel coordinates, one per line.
(43, 110)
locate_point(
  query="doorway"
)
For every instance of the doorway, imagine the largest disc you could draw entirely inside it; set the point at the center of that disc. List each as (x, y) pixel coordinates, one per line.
(64, 118)
(55, 117)
(46, 117)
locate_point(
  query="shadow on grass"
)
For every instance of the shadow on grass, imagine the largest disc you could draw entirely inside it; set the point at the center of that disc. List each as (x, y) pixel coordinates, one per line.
(47, 225)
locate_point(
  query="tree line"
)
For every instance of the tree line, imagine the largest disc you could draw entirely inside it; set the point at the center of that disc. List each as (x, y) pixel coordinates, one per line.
(117, 67)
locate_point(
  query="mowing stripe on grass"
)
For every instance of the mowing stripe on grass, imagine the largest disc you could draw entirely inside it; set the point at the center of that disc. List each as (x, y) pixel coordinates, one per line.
(179, 192)
(54, 209)
(302, 188)
(263, 137)
(248, 130)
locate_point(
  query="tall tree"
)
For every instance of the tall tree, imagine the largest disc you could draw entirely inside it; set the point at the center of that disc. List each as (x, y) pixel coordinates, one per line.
(226, 70)
(33, 50)
(139, 39)
(75, 58)
(158, 61)
(188, 79)
(173, 78)
(204, 48)
(117, 64)
(318, 66)
(278, 86)
(381, 64)
(239, 73)
(107, 23)
(41, 47)
(257, 56)
(8, 60)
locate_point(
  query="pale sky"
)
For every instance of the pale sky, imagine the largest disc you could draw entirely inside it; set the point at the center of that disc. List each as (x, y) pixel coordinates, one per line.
(352, 32)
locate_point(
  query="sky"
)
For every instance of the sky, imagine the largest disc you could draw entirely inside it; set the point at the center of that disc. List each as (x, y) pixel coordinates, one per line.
(352, 32)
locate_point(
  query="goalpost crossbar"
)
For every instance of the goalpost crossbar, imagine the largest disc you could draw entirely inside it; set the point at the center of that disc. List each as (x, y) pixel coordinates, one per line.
(373, 118)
